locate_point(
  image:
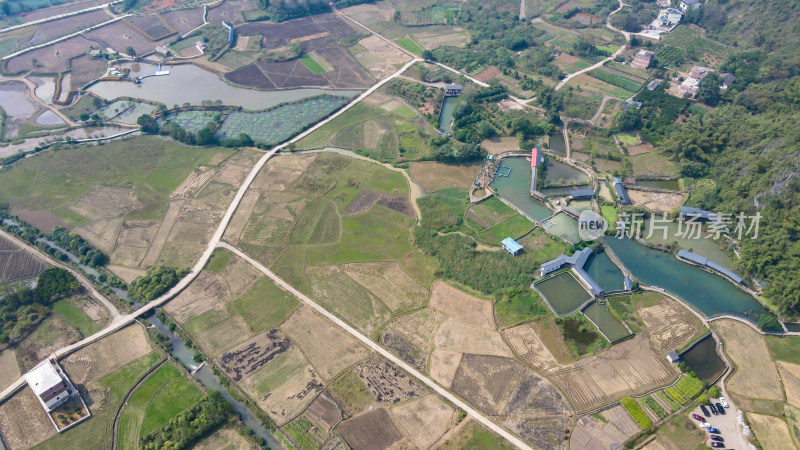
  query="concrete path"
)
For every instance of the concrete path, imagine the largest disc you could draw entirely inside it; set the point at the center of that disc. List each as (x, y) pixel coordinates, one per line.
(112, 310)
(380, 350)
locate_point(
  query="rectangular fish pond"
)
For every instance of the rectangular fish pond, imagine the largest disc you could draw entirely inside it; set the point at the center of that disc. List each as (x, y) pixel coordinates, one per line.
(606, 322)
(563, 226)
(446, 115)
(708, 293)
(563, 293)
(704, 247)
(600, 267)
(280, 123)
(557, 144)
(192, 121)
(703, 359)
(670, 185)
(516, 188)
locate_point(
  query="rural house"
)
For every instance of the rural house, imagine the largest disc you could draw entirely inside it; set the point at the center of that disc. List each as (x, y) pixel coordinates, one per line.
(664, 3)
(642, 59)
(653, 85)
(691, 85)
(453, 89)
(673, 357)
(50, 385)
(727, 80)
(511, 246)
(686, 4)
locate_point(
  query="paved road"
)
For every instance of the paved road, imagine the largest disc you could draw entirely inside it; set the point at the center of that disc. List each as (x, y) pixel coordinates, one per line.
(112, 310)
(378, 349)
(616, 53)
(56, 17)
(123, 320)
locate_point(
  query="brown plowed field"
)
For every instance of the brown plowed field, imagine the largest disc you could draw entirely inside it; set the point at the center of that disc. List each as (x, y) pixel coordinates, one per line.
(17, 264)
(388, 281)
(250, 356)
(790, 375)
(755, 375)
(433, 176)
(456, 336)
(527, 345)
(42, 220)
(670, 325)
(423, 420)
(462, 306)
(373, 430)
(541, 432)
(444, 365)
(107, 355)
(387, 383)
(24, 422)
(324, 412)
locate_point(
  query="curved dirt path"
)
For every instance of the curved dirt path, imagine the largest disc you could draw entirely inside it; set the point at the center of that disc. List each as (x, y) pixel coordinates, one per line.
(32, 92)
(622, 48)
(369, 343)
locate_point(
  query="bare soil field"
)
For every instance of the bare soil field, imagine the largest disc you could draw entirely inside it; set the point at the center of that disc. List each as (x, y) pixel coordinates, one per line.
(16, 263)
(387, 383)
(23, 421)
(755, 375)
(371, 430)
(444, 364)
(462, 306)
(495, 145)
(423, 420)
(380, 58)
(456, 336)
(107, 355)
(790, 376)
(224, 439)
(9, 369)
(250, 76)
(657, 201)
(152, 26)
(120, 35)
(160, 239)
(528, 346)
(51, 59)
(488, 74)
(52, 334)
(101, 233)
(433, 176)
(368, 198)
(251, 355)
(545, 432)
(328, 349)
(588, 434)
(640, 149)
(621, 423)
(183, 20)
(670, 326)
(194, 182)
(501, 386)
(629, 368)
(133, 241)
(284, 386)
(42, 220)
(126, 273)
(92, 308)
(84, 70)
(389, 283)
(411, 336)
(772, 433)
(325, 412)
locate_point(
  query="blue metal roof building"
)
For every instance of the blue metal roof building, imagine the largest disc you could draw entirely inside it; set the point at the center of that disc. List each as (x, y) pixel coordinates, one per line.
(622, 193)
(511, 245)
(581, 193)
(231, 32)
(576, 262)
(703, 261)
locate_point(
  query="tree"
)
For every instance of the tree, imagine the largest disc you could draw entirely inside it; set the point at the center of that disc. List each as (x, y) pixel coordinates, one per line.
(428, 55)
(148, 124)
(709, 92)
(714, 392)
(130, 50)
(767, 321)
(84, 117)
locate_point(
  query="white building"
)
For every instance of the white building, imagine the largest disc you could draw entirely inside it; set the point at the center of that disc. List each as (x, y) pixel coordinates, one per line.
(50, 385)
(693, 4)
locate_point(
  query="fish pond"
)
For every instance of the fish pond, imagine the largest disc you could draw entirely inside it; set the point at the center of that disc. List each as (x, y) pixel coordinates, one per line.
(563, 226)
(606, 322)
(560, 174)
(707, 247)
(446, 115)
(563, 293)
(706, 292)
(188, 83)
(557, 144)
(192, 121)
(703, 359)
(600, 267)
(516, 188)
(670, 185)
(278, 124)
(580, 205)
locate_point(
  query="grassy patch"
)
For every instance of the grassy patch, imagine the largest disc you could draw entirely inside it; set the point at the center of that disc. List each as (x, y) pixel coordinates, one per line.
(444, 210)
(169, 402)
(518, 308)
(312, 65)
(784, 348)
(474, 436)
(219, 260)
(609, 213)
(265, 306)
(299, 432)
(624, 308)
(689, 386)
(353, 394)
(410, 45)
(514, 227)
(67, 310)
(628, 139)
(673, 405)
(617, 80)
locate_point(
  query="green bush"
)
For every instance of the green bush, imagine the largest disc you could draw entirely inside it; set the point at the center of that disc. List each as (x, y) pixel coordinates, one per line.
(191, 425)
(689, 386)
(155, 282)
(637, 413)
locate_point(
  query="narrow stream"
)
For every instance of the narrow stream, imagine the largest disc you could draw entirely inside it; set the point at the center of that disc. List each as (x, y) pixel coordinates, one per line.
(206, 376)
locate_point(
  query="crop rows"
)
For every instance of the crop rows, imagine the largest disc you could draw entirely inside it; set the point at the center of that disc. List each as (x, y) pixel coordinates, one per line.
(655, 407)
(617, 80)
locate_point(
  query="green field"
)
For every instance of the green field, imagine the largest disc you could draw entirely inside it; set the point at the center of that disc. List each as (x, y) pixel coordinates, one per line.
(162, 396)
(152, 167)
(694, 44)
(73, 315)
(618, 80)
(410, 45)
(784, 348)
(265, 306)
(312, 65)
(628, 140)
(94, 433)
(351, 391)
(475, 436)
(219, 260)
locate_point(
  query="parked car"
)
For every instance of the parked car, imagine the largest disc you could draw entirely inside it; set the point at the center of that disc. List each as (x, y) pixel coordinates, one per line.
(720, 409)
(714, 437)
(713, 409)
(713, 430)
(698, 417)
(705, 410)
(718, 445)
(724, 402)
